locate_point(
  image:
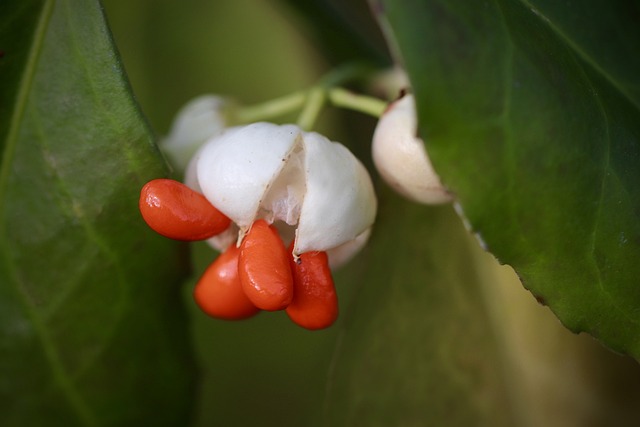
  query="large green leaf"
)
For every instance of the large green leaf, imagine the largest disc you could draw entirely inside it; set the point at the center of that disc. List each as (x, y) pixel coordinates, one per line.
(530, 112)
(419, 347)
(91, 326)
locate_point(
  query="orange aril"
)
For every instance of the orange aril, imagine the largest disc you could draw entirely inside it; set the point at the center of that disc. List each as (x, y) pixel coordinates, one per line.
(178, 212)
(315, 302)
(264, 268)
(219, 292)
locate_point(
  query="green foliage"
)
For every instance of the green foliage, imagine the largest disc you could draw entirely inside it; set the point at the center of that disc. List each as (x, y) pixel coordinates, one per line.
(531, 113)
(419, 345)
(89, 315)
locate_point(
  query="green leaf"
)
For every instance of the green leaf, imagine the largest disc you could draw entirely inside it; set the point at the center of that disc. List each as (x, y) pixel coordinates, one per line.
(419, 346)
(92, 331)
(531, 114)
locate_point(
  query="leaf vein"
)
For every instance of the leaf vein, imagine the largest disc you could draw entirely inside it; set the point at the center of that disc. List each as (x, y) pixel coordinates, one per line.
(583, 56)
(601, 195)
(93, 236)
(51, 354)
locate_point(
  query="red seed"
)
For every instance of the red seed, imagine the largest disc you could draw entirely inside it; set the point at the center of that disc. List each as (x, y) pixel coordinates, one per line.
(315, 302)
(178, 212)
(219, 292)
(264, 268)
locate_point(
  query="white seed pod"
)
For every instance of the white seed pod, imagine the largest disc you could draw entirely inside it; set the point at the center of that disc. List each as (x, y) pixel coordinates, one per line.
(389, 83)
(221, 241)
(282, 174)
(237, 169)
(339, 203)
(196, 122)
(342, 254)
(401, 158)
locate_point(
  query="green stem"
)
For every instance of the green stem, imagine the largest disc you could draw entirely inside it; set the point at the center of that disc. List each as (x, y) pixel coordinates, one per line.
(361, 103)
(271, 109)
(315, 101)
(312, 101)
(345, 73)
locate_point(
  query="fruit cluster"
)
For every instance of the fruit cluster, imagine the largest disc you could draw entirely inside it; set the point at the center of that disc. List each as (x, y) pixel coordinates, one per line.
(282, 205)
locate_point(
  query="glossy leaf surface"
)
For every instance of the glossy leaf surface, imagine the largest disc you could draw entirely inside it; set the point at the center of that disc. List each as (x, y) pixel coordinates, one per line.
(90, 315)
(530, 112)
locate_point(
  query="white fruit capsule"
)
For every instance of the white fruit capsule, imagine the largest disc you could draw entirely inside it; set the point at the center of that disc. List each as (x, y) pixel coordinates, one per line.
(312, 188)
(401, 158)
(196, 122)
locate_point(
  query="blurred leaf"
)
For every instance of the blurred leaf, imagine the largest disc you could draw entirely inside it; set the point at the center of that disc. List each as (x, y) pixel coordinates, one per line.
(419, 347)
(530, 111)
(91, 326)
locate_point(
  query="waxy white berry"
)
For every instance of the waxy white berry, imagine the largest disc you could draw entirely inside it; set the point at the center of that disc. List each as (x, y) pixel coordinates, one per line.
(401, 158)
(313, 189)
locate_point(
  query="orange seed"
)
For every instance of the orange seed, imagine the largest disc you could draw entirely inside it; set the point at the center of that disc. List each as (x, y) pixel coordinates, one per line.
(315, 302)
(264, 268)
(219, 292)
(176, 211)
